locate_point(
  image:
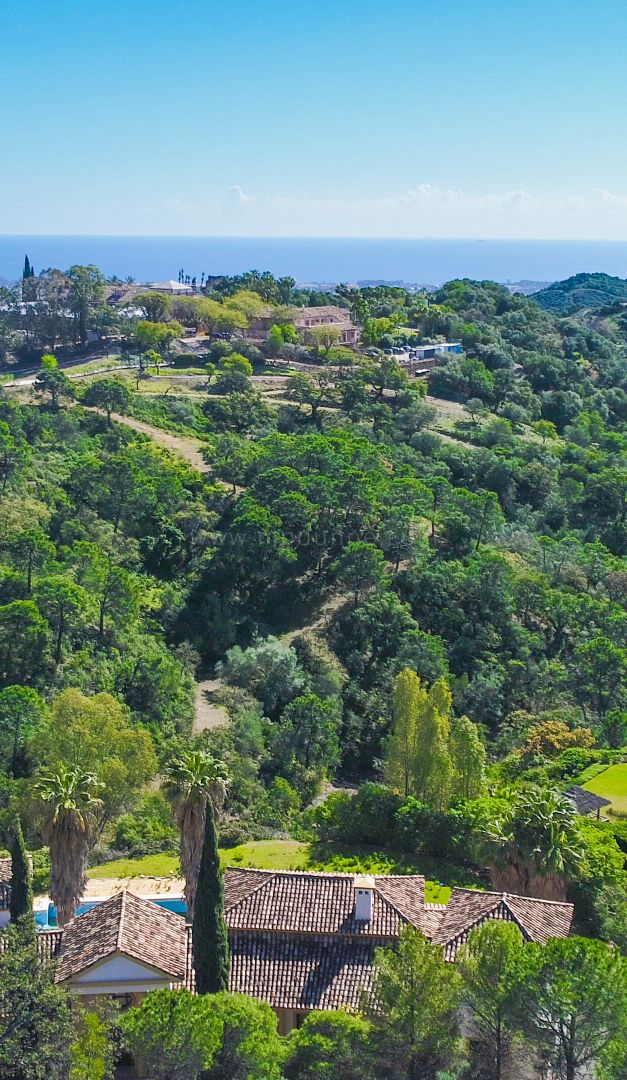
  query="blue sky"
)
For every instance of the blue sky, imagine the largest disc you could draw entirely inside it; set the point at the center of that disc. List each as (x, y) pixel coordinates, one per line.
(488, 118)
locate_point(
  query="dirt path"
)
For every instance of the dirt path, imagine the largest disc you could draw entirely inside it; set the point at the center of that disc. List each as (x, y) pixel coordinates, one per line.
(207, 715)
(185, 445)
(321, 621)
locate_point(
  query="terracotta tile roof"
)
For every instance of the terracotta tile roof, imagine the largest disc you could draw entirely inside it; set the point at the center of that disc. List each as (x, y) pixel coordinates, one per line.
(291, 901)
(585, 802)
(48, 944)
(538, 920)
(291, 972)
(293, 938)
(128, 924)
(433, 915)
(325, 313)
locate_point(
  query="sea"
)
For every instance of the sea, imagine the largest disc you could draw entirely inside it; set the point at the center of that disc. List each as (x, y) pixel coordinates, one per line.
(317, 260)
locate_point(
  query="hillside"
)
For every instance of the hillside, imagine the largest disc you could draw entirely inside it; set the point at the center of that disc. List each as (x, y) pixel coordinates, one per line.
(581, 291)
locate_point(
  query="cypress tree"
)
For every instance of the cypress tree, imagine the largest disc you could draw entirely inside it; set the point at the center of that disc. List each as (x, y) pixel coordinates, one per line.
(209, 934)
(27, 268)
(21, 902)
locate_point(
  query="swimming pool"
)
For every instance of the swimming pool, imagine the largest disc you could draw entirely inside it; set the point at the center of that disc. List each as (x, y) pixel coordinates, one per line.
(46, 919)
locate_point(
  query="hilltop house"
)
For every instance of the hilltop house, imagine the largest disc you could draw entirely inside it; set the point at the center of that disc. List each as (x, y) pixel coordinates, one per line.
(305, 319)
(298, 940)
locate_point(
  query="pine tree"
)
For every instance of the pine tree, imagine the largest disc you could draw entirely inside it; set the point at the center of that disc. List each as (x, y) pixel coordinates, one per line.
(21, 902)
(209, 934)
(36, 1026)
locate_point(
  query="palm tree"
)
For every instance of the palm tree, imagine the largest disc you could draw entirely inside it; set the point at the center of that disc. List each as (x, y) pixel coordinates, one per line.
(191, 780)
(533, 845)
(70, 798)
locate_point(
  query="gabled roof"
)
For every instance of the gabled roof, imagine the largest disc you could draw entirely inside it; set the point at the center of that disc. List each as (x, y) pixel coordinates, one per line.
(329, 312)
(288, 971)
(585, 802)
(538, 920)
(293, 938)
(124, 924)
(298, 902)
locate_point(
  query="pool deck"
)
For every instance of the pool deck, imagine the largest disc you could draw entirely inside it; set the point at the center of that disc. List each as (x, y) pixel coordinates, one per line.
(151, 888)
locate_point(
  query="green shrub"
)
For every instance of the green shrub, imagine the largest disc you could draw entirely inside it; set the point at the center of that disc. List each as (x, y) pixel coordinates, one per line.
(282, 802)
(443, 834)
(233, 833)
(367, 817)
(619, 829)
(376, 815)
(41, 870)
(149, 830)
(571, 763)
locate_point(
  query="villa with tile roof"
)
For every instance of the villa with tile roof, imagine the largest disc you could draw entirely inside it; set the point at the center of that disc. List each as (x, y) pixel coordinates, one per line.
(298, 940)
(538, 920)
(305, 319)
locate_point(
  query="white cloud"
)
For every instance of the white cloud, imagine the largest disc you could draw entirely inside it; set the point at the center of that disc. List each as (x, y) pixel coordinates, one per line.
(423, 209)
(605, 198)
(423, 195)
(236, 197)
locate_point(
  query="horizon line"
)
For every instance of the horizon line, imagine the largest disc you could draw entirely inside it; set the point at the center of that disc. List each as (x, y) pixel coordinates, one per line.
(269, 236)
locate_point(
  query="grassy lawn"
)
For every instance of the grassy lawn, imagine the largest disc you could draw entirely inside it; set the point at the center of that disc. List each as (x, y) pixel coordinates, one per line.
(111, 361)
(293, 855)
(612, 784)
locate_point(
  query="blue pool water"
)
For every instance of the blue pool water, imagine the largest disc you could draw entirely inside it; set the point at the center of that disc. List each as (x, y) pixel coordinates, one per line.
(48, 919)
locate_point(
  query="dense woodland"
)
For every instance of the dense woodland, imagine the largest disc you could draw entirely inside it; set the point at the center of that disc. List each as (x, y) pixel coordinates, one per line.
(437, 620)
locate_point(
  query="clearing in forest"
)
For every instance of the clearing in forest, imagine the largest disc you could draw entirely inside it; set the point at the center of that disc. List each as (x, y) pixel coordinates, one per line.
(612, 785)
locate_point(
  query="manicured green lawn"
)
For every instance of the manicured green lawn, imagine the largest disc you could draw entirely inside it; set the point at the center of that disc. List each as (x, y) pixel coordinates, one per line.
(612, 784)
(293, 855)
(264, 854)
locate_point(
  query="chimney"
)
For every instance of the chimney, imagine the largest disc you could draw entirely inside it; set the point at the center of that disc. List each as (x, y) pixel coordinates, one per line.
(364, 893)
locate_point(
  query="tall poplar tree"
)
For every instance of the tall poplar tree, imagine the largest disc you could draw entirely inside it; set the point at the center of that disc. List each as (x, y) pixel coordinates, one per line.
(418, 759)
(409, 699)
(21, 901)
(469, 758)
(209, 933)
(434, 766)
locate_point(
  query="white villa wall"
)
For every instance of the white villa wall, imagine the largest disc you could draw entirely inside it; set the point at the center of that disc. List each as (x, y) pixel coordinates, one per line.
(119, 974)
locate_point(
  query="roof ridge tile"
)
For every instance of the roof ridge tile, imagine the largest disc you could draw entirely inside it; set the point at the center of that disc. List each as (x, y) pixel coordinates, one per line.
(121, 922)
